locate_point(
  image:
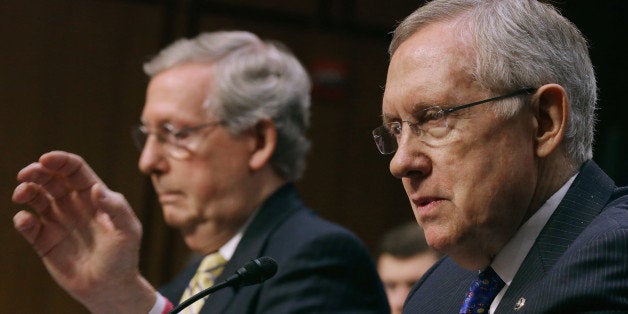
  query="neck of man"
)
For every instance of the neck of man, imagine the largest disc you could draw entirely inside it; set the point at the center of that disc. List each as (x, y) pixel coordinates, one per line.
(552, 172)
(249, 197)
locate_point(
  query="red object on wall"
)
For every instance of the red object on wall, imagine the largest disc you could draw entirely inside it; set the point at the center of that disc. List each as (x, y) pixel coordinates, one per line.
(330, 79)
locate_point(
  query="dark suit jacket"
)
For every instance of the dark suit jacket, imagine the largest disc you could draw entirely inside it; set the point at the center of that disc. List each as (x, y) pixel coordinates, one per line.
(322, 268)
(579, 262)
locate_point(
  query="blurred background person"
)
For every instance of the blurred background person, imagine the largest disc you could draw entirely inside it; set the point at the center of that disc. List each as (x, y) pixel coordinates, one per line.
(403, 258)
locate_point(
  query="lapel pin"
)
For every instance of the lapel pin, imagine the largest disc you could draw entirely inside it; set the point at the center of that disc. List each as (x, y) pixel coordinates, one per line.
(520, 304)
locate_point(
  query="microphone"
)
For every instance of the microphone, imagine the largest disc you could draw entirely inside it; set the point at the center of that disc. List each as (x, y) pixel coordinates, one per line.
(253, 272)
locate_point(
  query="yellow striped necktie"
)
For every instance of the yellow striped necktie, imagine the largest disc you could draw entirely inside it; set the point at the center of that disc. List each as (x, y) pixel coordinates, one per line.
(210, 268)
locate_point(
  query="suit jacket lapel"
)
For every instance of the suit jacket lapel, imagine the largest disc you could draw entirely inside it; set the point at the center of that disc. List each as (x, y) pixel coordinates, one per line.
(584, 200)
(283, 203)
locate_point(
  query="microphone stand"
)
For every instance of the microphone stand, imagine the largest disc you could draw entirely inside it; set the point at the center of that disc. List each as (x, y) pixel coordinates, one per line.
(253, 272)
(199, 296)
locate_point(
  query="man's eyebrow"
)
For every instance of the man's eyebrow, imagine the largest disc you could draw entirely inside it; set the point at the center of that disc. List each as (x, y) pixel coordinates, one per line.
(389, 117)
(415, 110)
(420, 106)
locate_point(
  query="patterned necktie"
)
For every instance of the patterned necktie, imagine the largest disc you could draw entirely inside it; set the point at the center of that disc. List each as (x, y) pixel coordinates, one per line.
(482, 292)
(210, 268)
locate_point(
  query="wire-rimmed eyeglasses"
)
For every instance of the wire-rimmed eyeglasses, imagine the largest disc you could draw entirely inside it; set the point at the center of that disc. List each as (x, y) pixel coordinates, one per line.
(178, 143)
(431, 125)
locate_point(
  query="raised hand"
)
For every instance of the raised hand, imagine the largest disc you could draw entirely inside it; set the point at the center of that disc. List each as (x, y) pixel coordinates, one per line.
(86, 235)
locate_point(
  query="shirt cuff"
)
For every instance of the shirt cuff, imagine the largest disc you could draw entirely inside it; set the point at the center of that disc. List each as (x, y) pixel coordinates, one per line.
(161, 306)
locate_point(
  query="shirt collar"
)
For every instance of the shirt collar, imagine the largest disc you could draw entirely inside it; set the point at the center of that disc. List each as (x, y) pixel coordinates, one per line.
(228, 249)
(509, 259)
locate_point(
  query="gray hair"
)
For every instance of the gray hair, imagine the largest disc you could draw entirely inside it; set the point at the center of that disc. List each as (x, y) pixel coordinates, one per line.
(519, 44)
(255, 80)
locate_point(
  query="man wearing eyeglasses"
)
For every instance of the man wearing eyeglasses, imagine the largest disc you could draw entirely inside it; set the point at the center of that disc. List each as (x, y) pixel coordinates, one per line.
(488, 114)
(222, 137)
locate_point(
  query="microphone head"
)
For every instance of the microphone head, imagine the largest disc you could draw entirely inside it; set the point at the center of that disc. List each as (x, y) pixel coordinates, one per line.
(254, 272)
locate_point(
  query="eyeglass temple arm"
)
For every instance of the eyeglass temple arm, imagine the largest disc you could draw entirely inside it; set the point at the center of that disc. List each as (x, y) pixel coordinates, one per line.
(528, 90)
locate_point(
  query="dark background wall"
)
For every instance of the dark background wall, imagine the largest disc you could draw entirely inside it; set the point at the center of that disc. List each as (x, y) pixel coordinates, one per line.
(71, 79)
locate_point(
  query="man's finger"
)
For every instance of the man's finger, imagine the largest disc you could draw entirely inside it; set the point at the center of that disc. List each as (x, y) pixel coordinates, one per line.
(73, 168)
(27, 225)
(33, 195)
(117, 208)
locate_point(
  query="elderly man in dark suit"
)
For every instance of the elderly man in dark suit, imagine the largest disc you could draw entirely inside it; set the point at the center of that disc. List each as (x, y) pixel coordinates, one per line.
(222, 137)
(489, 112)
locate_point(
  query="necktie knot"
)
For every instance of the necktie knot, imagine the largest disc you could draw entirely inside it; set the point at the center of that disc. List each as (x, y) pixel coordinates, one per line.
(208, 270)
(482, 292)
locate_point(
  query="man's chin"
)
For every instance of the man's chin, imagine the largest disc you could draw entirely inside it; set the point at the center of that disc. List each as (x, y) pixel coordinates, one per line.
(173, 218)
(195, 241)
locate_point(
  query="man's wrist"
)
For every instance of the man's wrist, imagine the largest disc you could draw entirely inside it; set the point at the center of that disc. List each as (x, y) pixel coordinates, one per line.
(137, 296)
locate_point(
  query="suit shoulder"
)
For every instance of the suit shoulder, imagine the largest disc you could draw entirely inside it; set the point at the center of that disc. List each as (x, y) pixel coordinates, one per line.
(322, 265)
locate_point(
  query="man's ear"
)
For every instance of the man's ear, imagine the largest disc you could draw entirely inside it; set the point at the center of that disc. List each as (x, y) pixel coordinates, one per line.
(265, 134)
(552, 113)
